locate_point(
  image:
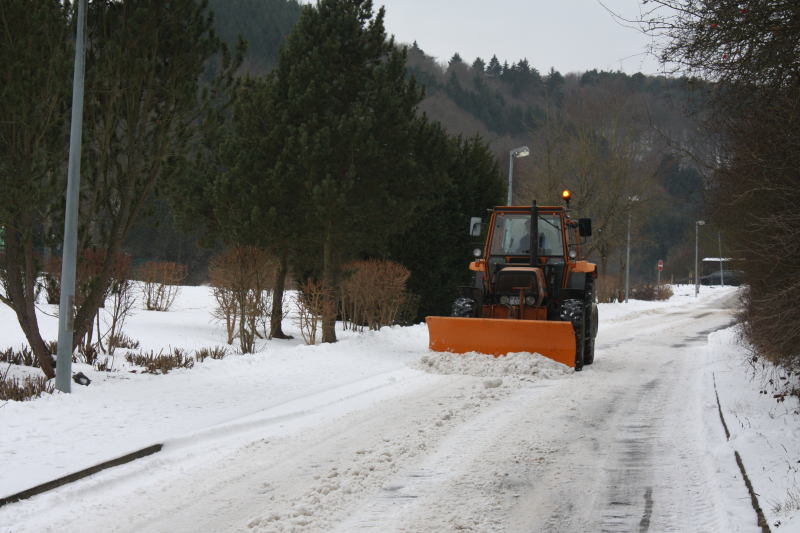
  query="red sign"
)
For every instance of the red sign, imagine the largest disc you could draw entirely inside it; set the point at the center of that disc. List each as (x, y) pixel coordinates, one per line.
(660, 265)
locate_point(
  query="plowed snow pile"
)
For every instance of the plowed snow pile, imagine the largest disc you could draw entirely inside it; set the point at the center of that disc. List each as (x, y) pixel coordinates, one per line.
(521, 365)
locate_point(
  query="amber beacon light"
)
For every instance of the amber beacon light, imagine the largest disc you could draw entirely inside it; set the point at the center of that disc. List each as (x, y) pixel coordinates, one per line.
(566, 195)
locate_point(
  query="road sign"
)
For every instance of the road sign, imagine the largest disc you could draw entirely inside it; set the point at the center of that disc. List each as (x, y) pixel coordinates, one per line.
(660, 265)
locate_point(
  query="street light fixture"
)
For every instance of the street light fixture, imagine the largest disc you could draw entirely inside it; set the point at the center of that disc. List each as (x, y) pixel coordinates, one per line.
(522, 151)
(631, 199)
(696, 256)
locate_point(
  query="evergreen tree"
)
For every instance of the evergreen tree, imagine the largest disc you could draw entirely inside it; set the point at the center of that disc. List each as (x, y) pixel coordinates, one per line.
(463, 181)
(263, 24)
(254, 192)
(455, 60)
(494, 69)
(346, 115)
(479, 65)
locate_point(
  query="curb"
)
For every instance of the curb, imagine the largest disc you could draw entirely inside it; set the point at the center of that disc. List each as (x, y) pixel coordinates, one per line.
(69, 478)
(762, 520)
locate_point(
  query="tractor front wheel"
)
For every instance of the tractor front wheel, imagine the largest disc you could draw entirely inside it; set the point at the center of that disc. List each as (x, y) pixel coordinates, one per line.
(573, 311)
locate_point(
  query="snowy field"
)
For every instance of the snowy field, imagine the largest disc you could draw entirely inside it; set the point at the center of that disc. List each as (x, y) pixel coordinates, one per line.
(377, 433)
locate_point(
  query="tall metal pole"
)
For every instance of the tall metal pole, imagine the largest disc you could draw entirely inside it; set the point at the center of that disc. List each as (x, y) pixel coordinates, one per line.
(697, 225)
(721, 269)
(696, 280)
(628, 259)
(522, 151)
(69, 252)
(510, 175)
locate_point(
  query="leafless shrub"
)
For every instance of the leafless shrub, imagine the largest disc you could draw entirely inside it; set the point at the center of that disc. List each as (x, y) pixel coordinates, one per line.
(651, 292)
(89, 353)
(242, 279)
(89, 273)
(27, 388)
(217, 352)
(22, 357)
(160, 283)
(310, 303)
(790, 503)
(227, 310)
(122, 341)
(105, 364)
(161, 363)
(122, 302)
(372, 293)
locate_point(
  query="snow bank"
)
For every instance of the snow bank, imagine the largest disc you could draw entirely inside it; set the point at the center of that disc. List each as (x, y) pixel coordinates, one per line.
(521, 365)
(763, 429)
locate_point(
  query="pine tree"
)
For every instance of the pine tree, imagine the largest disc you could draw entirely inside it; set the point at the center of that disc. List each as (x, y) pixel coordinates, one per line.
(463, 181)
(346, 115)
(494, 69)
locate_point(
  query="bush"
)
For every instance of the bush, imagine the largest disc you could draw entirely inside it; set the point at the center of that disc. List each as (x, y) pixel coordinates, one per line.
(161, 363)
(27, 388)
(373, 293)
(651, 292)
(217, 352)
(310, 302)
(160, 282)
(242, 278)
(23, 357)
(122, 341)
(89, 268)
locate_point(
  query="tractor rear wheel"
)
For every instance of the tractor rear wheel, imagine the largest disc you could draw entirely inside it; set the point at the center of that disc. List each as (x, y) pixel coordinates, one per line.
(463, 307)
(573, 311)
(591, 321)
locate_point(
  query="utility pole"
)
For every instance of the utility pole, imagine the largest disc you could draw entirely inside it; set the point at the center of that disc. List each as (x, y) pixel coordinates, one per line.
(697, 225)
(631, 199)
(66, 308)
(721, 268)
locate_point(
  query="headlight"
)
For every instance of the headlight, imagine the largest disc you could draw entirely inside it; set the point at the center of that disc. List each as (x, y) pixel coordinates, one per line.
(504, 300)
(530, 300)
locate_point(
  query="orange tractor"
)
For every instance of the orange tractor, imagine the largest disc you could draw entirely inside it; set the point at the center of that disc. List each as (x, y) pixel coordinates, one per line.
(531, 290)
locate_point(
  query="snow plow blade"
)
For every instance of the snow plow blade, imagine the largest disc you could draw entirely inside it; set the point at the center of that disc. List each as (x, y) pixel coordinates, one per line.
(495, 336)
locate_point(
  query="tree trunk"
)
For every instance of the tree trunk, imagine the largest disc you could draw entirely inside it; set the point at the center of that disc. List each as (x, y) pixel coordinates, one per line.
(20, 284)
(329, 293)
(276, 318)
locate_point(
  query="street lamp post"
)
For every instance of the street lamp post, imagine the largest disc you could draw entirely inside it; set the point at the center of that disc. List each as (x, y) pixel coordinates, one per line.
(721, 268)
(69, 252)
(631, 199)
(522, 151)
(696, 256)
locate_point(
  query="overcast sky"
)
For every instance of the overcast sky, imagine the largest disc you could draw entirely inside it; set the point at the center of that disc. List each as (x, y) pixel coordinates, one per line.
(570, 35)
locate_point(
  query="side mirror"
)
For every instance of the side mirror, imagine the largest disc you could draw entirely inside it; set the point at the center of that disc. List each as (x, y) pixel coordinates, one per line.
(585, 227)
(475, 226)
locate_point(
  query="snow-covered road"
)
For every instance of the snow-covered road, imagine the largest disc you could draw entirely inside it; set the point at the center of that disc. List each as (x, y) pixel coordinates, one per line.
(626, 445)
